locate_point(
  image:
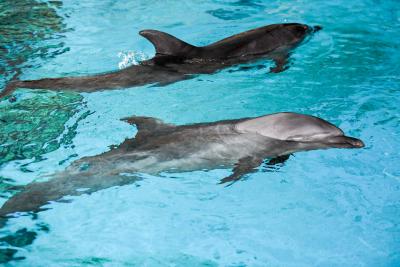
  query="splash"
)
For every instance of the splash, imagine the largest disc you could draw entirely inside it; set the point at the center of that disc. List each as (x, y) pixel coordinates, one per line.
(130, 58)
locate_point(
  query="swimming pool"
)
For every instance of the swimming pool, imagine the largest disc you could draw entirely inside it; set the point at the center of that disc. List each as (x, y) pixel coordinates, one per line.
(322, 208)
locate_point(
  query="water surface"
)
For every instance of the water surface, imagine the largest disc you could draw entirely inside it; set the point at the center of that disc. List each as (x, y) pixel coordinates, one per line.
(323, 208)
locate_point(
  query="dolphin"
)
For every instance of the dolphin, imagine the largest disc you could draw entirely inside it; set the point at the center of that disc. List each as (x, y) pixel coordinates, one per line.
(177, 60)
(158, 147)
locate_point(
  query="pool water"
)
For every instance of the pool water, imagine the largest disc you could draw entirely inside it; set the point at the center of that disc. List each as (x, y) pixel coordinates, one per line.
(322, 208)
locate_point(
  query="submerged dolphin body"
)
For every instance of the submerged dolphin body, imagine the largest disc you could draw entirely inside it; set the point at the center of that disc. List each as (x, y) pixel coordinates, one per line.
(158, 147)
(177, 60)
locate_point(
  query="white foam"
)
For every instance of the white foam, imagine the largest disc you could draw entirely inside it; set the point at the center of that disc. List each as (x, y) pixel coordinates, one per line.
(131, 58)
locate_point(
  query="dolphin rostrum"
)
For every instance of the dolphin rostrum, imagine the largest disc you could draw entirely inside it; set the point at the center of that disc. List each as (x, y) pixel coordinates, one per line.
(177, 60)
(158, 147)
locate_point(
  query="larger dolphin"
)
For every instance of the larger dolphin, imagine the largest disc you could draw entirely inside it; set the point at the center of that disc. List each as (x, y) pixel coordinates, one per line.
(241, 144)
(177, 60)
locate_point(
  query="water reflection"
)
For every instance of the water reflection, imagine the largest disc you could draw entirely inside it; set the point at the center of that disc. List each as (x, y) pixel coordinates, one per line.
(29, 30)
(34, 126)
(237, 10)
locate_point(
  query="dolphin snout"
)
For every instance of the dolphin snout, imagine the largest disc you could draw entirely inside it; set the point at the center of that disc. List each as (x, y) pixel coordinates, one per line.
(346, 141)
(317, 28)
(357, 143)
(354, 142)
(311, 29)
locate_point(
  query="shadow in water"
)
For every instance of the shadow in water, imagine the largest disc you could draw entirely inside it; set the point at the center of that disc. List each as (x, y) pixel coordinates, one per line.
(10, 244)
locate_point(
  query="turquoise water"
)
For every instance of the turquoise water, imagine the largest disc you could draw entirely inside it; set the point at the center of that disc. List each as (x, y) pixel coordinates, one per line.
(323, 208)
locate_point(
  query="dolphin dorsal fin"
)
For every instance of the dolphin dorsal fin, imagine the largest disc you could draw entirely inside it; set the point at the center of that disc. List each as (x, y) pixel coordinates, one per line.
(168, 45)
(148, 125)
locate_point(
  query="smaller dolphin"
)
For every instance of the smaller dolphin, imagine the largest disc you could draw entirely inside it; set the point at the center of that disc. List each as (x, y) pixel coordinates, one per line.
(159, 147)
(177, 60)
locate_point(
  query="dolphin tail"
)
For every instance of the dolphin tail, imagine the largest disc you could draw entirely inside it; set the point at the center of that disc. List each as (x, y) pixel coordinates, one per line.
(11, 85)
(34, 196)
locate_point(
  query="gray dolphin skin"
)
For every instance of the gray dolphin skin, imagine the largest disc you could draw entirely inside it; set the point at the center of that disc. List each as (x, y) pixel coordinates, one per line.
(177, 60)
(242, 144)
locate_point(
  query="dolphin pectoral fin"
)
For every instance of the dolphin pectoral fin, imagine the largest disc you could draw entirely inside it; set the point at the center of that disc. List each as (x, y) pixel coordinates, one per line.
(281, 62)
(244, 166)
(276, 163)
